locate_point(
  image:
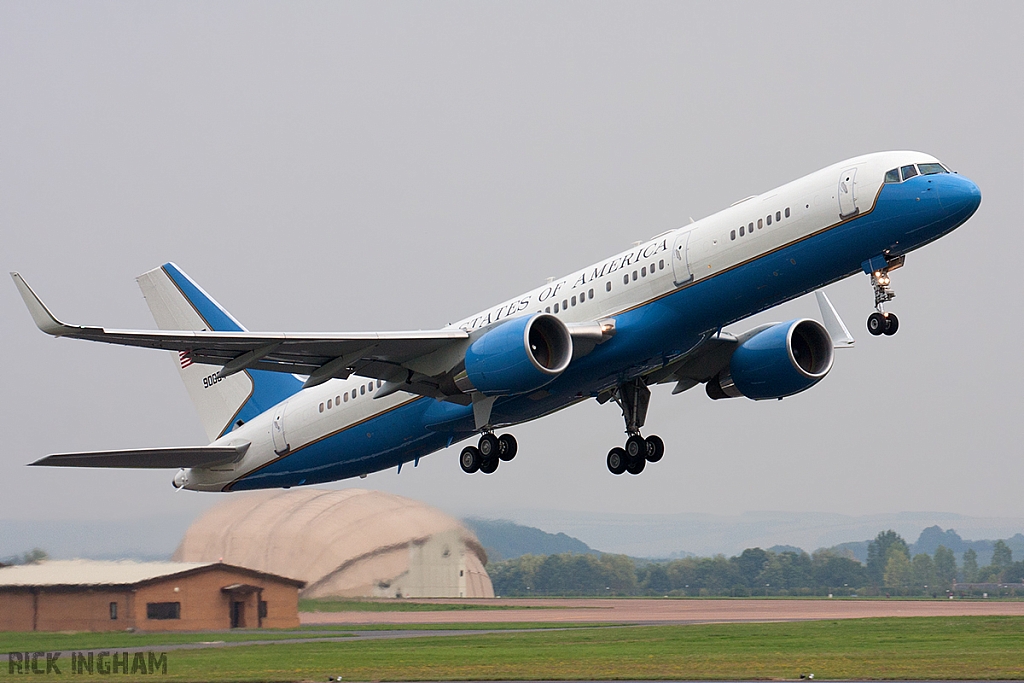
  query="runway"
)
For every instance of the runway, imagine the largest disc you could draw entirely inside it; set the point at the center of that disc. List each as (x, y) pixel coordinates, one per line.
(670, 611)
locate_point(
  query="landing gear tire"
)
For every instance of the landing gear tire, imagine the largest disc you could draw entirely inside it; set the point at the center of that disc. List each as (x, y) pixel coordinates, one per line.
(616, 460)
(507, 447)
(655, 448)
(470, 459)
(489, 446)
(892, 323)
(635, 464)
(876, 324)
(489, 465)
(636, 447)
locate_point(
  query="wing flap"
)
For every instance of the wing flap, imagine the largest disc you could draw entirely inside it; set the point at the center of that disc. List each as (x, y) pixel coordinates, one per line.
(148, 458)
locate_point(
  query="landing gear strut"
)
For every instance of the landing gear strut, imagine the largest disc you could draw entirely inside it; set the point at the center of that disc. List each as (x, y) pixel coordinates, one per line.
(488, 452)
(882, 322)
(634, 398)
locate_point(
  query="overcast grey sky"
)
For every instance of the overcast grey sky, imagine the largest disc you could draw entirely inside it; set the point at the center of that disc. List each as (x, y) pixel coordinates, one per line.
(366, 166)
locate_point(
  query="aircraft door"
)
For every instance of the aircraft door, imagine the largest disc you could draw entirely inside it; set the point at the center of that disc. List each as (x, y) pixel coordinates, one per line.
(277, 430)
(847, 193)
(680, 262)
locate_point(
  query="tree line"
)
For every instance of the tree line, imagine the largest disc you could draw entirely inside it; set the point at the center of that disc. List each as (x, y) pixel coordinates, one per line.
(890, 569)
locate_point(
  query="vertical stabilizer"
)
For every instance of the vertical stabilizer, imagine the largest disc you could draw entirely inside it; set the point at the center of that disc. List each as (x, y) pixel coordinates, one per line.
(178, 303)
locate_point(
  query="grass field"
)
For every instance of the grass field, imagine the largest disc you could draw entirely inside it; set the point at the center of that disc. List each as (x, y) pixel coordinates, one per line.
(913, 648)
(397, 606)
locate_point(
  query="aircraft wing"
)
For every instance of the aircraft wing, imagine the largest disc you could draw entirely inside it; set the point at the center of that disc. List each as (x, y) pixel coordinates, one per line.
(148, 458)
(382, 355)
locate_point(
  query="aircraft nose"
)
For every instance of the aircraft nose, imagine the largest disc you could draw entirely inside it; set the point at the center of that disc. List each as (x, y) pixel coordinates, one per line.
(960, 196)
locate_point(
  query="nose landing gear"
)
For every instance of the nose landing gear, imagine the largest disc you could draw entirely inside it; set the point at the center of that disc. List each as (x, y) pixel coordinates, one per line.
(634, 398)
(882, 322)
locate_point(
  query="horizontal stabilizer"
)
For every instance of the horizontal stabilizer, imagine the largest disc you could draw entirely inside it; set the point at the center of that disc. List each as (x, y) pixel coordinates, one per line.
(149, 458)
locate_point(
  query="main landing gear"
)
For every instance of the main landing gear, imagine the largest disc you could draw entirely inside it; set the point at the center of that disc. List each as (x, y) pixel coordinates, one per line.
(882, 322)
(488, 452)
(634, 397)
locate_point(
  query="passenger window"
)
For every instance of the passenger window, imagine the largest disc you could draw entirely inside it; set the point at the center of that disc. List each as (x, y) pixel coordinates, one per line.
(908, 171)
(321, 407)
(346, 397)
(337, 400)
(330, 404)
(565, 304)
(370, 386)
(634, 276)
(742, 230)
(750, 228)
(931, 169)
(732, 235)
(778, 215)
(547, 310)
(608, 286)
(625, 279)
(362, 390)
(661, 264)
(760, 223)
(556, 308)
(892, 176)
(379, 384)
(643, 272)
(787, 212)
(768, 219)
(574, 300)
(590, 294)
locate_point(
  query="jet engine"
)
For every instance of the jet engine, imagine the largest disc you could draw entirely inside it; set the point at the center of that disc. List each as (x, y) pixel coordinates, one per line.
(517, 357)
(780, 361)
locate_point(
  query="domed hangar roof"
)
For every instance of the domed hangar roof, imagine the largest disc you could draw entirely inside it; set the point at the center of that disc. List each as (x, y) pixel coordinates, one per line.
(345, 543)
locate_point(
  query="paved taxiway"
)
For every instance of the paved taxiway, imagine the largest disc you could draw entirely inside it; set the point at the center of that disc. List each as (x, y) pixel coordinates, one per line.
(661, 611)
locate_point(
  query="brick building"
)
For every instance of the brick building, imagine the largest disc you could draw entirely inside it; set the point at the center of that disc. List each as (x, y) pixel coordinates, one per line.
(84, 595)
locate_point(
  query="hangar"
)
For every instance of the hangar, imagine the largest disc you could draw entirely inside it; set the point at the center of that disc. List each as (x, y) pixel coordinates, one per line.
(86, 595)
(348, 543)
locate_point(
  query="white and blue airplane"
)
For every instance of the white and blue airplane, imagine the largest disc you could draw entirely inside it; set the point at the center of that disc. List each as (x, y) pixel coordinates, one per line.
(284, 409)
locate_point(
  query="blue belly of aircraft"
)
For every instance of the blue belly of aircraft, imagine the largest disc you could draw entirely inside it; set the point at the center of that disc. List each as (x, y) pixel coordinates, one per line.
(905, 216)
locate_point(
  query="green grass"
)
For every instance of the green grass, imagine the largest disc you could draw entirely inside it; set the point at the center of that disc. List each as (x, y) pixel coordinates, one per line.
(910, 648)
(35, 642)
(328, 605)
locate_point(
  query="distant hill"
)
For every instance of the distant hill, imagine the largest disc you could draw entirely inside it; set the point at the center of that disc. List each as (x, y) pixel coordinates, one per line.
(504, 540)
(786, 549)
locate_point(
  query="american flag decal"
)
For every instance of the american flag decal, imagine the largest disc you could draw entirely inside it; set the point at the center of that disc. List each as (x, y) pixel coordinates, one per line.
(186, 358)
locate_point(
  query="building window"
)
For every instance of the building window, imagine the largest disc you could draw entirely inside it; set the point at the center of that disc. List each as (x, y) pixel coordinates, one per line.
(113, 610)
(263, 609)
(163, 610)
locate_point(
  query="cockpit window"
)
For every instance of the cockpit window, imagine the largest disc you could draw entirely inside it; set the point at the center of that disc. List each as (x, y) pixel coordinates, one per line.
(908, 171)
(892, 176)
(931, 169)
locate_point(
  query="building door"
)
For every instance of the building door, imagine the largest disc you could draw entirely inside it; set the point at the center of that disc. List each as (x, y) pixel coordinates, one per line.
(277, 430)
(848, 193)
(237, 614)
(680, 261)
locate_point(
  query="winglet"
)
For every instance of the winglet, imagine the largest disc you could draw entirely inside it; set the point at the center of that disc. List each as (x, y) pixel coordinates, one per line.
(41, 315)
(841, 337)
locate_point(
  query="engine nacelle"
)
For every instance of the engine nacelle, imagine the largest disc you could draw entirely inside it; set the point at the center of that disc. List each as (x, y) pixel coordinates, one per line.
(780, 361)
(517, 357)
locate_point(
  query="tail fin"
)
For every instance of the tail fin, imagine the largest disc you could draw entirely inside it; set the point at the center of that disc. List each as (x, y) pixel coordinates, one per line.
(178, 303)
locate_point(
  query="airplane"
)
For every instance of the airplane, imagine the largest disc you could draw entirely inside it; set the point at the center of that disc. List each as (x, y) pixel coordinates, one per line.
(291, 409)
